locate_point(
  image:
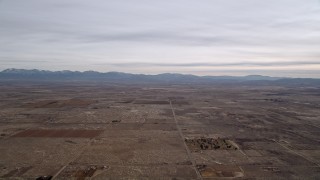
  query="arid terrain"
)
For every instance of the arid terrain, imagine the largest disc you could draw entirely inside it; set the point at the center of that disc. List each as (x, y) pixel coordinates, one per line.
(79, 130)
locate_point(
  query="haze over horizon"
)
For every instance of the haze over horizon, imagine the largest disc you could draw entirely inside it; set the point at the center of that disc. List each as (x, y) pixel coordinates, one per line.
(208, 37)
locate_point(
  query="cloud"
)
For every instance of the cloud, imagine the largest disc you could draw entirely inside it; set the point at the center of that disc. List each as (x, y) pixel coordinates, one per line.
(142, 64)
(170, 33)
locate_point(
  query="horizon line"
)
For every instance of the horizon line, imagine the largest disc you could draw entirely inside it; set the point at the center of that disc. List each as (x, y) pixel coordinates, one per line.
(103, 72)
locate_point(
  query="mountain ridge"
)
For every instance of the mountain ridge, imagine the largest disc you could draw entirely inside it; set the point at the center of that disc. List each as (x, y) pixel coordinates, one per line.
(113, 76)
(37, 71)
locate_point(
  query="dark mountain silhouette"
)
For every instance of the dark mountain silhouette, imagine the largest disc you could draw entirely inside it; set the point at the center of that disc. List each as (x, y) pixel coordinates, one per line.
(35, 74)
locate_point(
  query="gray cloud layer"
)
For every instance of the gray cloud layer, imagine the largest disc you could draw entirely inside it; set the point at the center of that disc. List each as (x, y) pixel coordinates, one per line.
(133, 35)
(141, 64)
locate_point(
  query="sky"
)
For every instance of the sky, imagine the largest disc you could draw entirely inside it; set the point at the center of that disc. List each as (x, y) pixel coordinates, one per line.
(202, 37)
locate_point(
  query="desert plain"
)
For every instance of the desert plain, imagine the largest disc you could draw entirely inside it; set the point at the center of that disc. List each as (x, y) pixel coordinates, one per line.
(78, 130)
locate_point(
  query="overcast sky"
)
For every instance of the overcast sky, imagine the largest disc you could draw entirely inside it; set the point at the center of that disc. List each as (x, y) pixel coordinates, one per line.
(203, 37)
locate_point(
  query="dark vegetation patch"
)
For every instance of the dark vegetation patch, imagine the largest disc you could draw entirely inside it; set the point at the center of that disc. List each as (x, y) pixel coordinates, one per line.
(202, 143)
(280, 94)
(275, 100)
(271, 169)
(173, 98)
(71, 142)
(127, 101)
(180, 102)
(60, 103)
(81, 173)
(145, 101)
(44, 178)
(212, 171)
(35, 117)
(59, 133)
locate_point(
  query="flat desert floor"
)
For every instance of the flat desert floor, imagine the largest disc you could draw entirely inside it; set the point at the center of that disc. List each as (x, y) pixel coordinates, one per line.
(112, 131)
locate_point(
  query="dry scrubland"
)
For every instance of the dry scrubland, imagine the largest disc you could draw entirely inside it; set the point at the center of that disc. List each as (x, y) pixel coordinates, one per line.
(96, 131)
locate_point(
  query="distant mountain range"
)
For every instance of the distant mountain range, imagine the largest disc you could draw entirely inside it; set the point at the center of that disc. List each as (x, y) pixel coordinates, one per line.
(35, 74)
